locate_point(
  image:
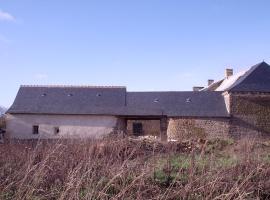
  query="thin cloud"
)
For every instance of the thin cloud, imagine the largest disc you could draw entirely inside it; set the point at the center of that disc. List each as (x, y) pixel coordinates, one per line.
(5, 16)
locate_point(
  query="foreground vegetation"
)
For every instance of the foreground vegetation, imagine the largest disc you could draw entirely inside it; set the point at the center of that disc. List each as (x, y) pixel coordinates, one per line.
(135, 169)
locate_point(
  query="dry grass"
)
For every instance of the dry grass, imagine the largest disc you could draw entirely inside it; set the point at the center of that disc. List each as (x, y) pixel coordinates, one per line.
(128, 169)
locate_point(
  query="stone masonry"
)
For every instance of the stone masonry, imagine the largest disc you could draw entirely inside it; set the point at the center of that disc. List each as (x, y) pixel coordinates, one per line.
(250, 114)
(185, 128)
(150, 127)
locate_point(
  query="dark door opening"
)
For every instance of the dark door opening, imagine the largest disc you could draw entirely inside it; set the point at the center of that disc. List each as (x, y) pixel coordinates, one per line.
(137, 128)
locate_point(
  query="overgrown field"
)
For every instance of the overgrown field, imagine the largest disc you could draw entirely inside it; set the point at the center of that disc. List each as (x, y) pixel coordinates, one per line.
(135, 169)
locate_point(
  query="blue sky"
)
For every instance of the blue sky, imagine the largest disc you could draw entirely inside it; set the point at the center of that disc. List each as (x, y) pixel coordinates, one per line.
(142, 44)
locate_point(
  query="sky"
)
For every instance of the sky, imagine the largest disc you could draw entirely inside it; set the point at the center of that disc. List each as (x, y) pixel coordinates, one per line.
(145, 45)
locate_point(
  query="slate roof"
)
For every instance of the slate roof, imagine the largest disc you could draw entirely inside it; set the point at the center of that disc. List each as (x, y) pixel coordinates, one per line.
(256, 79)
(185, 104)
(213, 86)
(2, 110)
(116, 101)
(68, 100)
(93, 100)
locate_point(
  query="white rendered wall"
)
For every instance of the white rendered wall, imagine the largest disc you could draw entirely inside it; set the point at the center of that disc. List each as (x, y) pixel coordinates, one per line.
(20, 126)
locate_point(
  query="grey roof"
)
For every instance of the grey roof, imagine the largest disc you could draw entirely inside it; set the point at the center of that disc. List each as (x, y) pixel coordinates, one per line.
(256, 79)
(68, 100)
(213, 86)
(185, 104)
(116, 101)
(2, 110)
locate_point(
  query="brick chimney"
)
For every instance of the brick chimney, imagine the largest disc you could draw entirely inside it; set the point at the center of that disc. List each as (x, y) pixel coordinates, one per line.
(210, 81)
(228, 73)
(197, 88)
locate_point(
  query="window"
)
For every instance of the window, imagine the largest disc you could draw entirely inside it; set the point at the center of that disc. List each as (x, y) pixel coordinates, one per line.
(188, 100)
(56, 130)
(35, 129)
(156, 100)
(137, 128)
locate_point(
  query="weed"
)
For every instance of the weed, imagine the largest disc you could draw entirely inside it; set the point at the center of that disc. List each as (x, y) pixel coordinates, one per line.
(128, 169)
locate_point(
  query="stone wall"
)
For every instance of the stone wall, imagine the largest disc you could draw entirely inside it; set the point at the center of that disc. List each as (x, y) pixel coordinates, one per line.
(250, 114)
(2, 122)
(186, 128)
(150, 127)
(120, 127)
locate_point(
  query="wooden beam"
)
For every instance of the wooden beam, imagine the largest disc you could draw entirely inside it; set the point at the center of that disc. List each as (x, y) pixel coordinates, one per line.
(163, 128)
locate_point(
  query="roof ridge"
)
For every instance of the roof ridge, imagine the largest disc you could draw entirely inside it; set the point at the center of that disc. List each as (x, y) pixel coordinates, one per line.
(245, 75)
(73, 86)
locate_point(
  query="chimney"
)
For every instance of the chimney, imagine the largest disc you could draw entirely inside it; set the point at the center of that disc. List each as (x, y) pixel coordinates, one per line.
(197, 88)
(210, 81)
(228, 73)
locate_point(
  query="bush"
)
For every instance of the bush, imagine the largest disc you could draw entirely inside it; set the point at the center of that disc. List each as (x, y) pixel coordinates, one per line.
(128, 169)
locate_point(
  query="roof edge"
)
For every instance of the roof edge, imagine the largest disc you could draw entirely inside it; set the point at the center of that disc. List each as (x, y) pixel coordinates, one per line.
(246, 75)
(123, 115)
(71, 86)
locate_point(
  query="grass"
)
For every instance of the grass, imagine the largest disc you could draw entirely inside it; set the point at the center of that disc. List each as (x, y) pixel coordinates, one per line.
(115, 168)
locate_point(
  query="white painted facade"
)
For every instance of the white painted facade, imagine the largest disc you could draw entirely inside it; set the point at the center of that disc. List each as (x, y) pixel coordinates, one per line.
(20, 126)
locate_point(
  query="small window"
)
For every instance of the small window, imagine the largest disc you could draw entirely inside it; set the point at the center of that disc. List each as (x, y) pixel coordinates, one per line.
(56, 130)
(137, 128)
(35, 129)
(156, 100)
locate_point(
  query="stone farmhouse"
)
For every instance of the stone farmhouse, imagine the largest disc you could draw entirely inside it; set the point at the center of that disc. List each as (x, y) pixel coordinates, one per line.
(238, 105)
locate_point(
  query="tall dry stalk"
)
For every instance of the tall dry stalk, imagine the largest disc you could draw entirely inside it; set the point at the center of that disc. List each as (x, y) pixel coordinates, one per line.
(132, 169)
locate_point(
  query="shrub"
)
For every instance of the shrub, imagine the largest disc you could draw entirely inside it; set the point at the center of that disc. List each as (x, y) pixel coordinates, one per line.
(130, 169)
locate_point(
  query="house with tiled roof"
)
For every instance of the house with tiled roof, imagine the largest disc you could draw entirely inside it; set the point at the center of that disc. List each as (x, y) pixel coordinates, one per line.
(236, 105)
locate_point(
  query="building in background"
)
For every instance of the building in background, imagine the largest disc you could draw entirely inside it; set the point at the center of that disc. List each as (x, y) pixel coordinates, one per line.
(236, 105)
